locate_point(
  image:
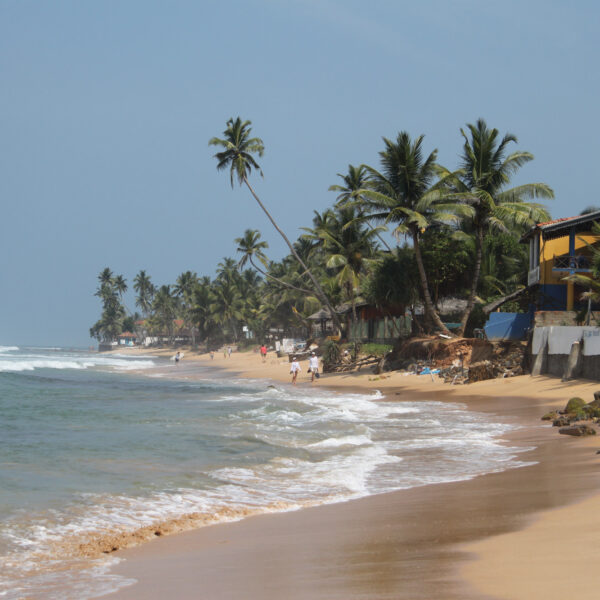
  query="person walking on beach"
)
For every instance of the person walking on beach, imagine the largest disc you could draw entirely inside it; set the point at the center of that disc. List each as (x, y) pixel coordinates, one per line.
(229, 351)
(295, 369)
(263, 352)
(313, 366)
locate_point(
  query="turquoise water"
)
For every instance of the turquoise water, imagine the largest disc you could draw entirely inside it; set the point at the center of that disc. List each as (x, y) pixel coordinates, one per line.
(94, 446)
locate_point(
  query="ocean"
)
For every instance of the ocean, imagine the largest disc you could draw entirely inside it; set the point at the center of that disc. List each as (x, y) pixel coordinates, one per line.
(96, 448)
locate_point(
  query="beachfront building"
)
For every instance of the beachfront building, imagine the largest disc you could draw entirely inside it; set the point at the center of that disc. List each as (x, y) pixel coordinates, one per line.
(127, 339)
(372, 324)
(557, 249)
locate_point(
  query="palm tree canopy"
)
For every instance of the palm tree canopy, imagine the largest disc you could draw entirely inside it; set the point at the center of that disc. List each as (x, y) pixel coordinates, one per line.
(238, 148)
(250, 245)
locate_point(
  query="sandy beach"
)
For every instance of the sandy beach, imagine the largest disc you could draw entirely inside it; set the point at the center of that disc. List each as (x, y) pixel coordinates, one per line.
(530, 532)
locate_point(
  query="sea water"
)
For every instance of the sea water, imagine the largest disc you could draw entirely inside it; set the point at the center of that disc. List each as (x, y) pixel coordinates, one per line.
(94, 446)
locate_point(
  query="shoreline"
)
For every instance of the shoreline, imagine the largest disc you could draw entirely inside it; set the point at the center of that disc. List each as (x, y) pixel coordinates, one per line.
(453, 535)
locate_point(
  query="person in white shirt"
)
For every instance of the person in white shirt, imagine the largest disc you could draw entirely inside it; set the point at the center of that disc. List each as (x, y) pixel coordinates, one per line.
(313, 364)
(295, 369)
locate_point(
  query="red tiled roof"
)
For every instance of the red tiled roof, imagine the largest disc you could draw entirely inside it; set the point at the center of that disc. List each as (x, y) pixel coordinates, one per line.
(127, 334)
(555, 221)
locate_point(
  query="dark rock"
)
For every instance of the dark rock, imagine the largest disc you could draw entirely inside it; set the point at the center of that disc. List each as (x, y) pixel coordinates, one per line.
(561, 422)
(578, 430)
(550, 416)
(481, 371)
(574, 405)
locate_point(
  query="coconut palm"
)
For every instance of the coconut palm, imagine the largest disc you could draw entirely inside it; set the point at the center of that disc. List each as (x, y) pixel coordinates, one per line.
(201, 314)
(355, 181)
(183, 289)
(227, 305)
(145, 292)
(348, 247)
(164, 307)
(237, 155)
(404, 194)
(251, 247)
(481, 182)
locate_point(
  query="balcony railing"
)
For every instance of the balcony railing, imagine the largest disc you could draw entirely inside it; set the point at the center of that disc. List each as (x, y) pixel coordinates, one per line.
(577, 264)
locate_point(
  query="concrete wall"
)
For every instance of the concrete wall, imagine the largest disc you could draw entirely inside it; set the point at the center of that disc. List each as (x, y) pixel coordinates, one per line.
(556, 342)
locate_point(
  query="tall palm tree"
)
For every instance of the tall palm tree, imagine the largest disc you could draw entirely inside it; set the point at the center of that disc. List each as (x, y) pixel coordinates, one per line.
(485, 172)
(404, 194)
(145, 292)
(237, 155)
(251, 247)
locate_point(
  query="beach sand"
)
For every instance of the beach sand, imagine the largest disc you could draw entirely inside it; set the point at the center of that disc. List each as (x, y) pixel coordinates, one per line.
(532, 532)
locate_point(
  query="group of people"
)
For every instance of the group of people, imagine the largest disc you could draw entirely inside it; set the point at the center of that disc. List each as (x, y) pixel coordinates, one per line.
(313, 367)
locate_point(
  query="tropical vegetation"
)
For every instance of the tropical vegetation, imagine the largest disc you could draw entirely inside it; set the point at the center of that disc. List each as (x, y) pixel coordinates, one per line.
(401, 235)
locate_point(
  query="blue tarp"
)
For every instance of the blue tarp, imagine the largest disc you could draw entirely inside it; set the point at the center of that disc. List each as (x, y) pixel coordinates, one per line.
(507, 326)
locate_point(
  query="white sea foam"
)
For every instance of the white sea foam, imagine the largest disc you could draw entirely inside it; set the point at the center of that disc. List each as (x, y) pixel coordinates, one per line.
(312, 448)
(4, 349)
(33, 362)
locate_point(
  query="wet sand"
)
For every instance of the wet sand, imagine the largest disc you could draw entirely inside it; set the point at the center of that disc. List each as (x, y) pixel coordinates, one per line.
(523, 533)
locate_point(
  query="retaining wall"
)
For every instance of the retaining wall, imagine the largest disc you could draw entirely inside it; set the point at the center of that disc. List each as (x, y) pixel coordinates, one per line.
(555, 344)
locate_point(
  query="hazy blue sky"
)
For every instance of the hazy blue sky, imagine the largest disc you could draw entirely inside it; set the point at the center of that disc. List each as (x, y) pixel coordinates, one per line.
(106, 109)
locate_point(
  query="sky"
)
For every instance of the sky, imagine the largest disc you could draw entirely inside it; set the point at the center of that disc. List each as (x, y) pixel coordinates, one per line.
(106, 109)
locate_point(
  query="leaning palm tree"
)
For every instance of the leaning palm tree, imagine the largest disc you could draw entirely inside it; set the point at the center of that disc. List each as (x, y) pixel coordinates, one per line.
(237, 155)
(404, 194)
(480, 182)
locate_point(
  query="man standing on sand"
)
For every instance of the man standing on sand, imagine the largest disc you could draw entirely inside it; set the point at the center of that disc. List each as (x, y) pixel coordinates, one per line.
(313, 365)
(295, 369)
(263, 352)
(228, 351)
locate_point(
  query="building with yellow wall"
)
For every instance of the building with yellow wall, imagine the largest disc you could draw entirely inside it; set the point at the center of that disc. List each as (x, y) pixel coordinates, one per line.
(557, 249)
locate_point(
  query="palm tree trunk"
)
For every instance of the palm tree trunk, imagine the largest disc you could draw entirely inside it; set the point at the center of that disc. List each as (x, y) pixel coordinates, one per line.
(429, 308)
(322, 297)
(475, 282)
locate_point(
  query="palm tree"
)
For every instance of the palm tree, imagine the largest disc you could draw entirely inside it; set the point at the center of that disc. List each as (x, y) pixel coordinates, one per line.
(164, 310)
(355, 181)
(348, 248)
(481, 181)
(227, 306)
(252, 247)
(184, 287)
(145, 292)
(238, 148)
(201, 314)
(403, 194)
